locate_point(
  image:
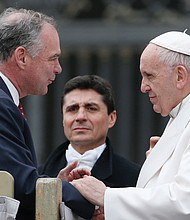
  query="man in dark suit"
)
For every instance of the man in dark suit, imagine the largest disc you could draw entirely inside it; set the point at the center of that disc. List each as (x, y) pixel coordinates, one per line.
(88, 109)
(29, 62)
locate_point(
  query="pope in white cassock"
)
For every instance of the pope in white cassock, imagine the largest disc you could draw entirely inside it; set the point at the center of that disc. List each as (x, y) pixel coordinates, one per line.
(163, 188)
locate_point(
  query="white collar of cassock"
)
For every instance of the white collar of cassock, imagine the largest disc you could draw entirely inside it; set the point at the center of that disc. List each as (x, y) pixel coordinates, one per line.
(174, 112)
(86, 160)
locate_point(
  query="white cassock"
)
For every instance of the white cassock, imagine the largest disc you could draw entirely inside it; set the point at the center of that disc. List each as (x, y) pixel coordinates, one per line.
(163, 187)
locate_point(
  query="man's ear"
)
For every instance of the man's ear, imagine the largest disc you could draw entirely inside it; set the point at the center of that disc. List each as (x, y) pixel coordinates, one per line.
(112, 119)
(20, 55)
(181, 76)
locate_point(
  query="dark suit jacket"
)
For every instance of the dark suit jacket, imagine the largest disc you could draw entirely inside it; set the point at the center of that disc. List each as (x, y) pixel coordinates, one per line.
(112, 169)
(17, 156)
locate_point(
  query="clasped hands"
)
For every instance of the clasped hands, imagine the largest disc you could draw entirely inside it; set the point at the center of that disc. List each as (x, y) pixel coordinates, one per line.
(90, 187)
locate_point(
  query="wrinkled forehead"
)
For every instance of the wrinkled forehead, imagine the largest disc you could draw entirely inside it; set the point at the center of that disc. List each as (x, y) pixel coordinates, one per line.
(82, 95)
(150, 51)
(149, 58)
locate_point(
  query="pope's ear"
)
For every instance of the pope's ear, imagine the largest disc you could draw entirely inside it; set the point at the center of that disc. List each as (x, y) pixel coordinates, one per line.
(20, 55)
(182, 76)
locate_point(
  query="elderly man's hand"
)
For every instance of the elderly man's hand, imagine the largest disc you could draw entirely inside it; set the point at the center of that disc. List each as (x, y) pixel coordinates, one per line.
(92, 189)
(153, 141)
(71, 173)
(98, 214)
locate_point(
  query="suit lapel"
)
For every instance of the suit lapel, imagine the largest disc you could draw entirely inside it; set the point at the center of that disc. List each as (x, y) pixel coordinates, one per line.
(165, 146)
(105, 161)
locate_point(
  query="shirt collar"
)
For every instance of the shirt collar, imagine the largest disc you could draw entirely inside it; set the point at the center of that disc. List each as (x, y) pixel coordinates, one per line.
(12, 89)
(98, 150)
(174, 112)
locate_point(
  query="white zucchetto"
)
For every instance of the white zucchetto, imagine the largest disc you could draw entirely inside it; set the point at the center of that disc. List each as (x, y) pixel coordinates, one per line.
(175, 41)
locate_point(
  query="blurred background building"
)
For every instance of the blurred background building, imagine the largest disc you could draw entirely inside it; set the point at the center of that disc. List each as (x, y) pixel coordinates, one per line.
(104, 37)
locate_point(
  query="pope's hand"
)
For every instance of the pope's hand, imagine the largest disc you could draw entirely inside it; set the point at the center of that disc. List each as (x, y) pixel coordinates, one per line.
(91, 188)
(153, 141)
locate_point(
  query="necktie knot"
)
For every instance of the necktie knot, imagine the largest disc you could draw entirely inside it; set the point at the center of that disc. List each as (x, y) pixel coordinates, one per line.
(21, 110)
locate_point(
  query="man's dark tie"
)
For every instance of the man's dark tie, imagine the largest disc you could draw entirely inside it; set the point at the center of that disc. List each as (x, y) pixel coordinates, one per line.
(21, 110)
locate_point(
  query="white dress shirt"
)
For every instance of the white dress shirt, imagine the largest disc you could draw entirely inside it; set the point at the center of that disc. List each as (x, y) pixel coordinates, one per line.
(12, 89)
(86, 160)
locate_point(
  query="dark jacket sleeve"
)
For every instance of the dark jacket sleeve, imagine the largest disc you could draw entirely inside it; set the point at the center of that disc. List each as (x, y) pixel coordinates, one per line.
(18, 155)
(75, 201)
(71, 196)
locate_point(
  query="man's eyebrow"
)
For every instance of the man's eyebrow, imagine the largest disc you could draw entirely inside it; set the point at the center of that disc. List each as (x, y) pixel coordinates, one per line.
(90, 103)
(72, 105)
(57, 55)
(85, 104)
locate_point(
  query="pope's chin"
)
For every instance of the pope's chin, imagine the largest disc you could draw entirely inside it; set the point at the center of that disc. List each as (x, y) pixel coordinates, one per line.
(157, 110)
(163, 114)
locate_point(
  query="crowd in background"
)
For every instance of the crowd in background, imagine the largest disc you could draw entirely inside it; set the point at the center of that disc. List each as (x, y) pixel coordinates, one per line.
(114, 10)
